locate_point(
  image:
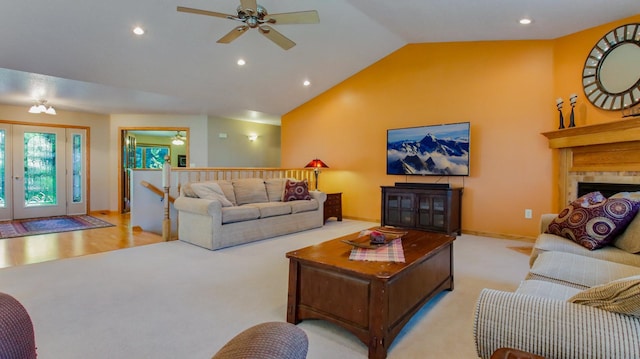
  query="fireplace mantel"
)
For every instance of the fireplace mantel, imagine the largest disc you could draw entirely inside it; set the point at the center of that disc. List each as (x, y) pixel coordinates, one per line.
(608, 152)
(604, 133)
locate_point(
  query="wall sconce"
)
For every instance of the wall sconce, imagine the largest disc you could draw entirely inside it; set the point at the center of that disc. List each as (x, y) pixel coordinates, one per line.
(252, 137)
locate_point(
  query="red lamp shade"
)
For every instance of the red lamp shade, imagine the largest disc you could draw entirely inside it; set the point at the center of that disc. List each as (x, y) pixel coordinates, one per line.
(316, 163)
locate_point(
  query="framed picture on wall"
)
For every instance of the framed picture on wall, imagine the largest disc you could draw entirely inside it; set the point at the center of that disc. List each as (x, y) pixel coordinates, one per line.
(182, 160)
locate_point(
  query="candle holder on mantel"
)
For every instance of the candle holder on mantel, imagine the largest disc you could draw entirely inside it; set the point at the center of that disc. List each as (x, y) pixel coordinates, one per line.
(559, 103)
(572, 99)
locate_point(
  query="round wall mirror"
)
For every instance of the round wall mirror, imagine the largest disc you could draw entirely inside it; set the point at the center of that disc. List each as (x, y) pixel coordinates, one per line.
(611, 75)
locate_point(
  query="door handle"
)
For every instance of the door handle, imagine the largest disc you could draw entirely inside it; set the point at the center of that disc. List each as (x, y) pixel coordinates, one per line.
(17, 178)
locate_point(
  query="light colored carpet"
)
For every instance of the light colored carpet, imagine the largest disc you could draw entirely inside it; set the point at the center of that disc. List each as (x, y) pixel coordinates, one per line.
(176, 300)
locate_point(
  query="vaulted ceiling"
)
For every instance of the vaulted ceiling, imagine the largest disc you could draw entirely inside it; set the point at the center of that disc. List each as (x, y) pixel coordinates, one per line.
(83, 55)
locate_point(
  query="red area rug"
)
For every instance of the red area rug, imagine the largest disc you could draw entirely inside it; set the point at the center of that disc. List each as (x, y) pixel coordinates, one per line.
(33, 226)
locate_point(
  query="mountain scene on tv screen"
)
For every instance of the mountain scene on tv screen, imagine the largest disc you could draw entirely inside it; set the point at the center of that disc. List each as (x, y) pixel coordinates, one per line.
(439, 150)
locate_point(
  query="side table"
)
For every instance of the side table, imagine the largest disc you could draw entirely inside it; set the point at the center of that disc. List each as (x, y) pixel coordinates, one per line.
(333, 206)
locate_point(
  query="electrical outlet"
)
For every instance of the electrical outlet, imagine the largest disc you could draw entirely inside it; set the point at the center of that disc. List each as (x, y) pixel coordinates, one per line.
(528, 214)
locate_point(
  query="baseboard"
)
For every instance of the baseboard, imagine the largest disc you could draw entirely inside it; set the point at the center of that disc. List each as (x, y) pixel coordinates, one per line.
(501, 236)
(475, 233)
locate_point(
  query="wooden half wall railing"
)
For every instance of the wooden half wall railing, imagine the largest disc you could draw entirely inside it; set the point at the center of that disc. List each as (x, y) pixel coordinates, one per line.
(183, 175)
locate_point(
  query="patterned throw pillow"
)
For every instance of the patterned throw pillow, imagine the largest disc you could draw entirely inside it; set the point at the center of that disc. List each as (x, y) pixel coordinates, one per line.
(589, 199)
(296, 190)
(596, 225)
(619, 296)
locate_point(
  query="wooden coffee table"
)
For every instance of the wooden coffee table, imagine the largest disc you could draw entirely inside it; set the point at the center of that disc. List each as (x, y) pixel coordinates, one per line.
(372, 300)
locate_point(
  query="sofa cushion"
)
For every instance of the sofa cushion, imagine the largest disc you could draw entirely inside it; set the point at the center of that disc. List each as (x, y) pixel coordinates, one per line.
(210, 190)
(619, 296)
(574, 269)
(629, 240)
(296, 190)
(227, 189)
(546, 289)
(271, 209)
(250, 190)
(275, 188)
(303, 205)
(239, 214)
(594, 225)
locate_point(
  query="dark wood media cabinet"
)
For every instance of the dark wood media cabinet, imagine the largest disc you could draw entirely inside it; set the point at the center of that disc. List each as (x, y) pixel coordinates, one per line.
(422, 206)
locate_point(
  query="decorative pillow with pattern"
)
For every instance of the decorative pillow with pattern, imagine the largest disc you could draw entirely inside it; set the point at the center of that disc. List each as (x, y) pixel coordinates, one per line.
(619, 296)
(589, 199)
(296, 190)
(596, 225)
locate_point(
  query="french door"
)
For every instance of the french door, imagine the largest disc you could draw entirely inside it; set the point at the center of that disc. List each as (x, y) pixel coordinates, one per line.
(42, 170)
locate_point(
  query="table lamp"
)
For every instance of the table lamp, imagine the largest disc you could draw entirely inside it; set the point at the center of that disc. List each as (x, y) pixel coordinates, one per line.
(316, 164)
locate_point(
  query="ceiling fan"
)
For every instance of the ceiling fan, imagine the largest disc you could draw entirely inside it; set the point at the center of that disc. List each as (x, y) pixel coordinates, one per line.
(255, 16)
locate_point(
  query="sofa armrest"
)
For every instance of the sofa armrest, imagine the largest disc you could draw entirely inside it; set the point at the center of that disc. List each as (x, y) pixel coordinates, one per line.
(552, 328)
(205, 207)
(321, 197)
(545, 220)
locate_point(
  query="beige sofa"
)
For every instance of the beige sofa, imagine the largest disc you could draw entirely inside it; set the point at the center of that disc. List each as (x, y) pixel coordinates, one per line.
(556, 311)
(224, 213)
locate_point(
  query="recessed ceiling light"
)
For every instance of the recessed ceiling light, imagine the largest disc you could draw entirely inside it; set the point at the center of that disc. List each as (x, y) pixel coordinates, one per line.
(525, 21)
(241, 62)
(138, 30)
(306, 83)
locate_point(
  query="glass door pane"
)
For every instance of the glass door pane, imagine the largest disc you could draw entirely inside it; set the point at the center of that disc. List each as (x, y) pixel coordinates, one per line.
(6, 192)
(39, 172)
(76, 171)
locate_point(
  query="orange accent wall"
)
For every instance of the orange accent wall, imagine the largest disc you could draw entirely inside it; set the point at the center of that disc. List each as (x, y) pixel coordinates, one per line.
(505, 89)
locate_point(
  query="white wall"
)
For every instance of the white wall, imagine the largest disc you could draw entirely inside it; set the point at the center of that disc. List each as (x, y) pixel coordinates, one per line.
(235, 150)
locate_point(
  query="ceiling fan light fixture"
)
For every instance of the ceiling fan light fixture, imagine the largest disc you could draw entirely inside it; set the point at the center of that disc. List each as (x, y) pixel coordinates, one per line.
(177, 140)
(254, 16)
(51, 111)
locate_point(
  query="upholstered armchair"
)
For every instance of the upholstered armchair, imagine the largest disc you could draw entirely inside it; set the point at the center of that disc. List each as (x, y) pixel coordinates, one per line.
(17, 338)
(272, 340)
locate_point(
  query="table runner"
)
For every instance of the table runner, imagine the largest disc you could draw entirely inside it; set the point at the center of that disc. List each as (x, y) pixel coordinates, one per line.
(393, 252)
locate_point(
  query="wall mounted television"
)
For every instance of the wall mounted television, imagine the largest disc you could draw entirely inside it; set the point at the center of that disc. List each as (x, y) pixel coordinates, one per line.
(434, 150)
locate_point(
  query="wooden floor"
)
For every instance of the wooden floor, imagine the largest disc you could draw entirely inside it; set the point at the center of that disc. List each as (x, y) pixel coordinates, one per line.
(47, 247)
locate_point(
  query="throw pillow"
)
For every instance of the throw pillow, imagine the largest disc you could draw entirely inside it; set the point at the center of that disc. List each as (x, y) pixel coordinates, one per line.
(589, 199)
(619, 296)
(296, 190)
(210, 190)
(596, 225)
(629, 240)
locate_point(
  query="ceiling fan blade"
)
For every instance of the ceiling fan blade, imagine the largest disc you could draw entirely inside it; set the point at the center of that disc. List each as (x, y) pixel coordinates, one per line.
(233, 34)
(251, 5)
(276, 37)
(300, 17)
(205, 12)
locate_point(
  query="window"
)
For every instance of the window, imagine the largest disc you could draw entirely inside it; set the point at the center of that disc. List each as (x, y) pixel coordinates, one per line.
(151, 156)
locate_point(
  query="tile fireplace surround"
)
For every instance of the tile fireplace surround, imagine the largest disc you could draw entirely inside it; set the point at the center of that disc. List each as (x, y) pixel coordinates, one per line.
(608, 153)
